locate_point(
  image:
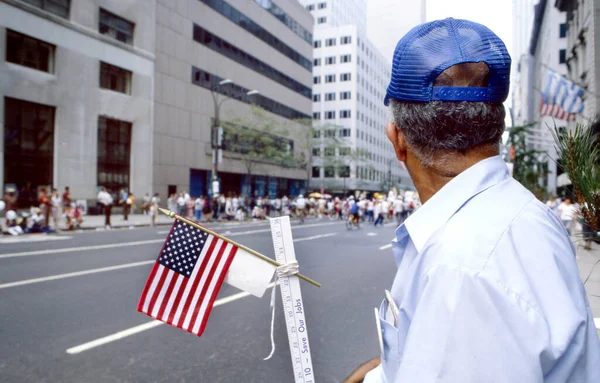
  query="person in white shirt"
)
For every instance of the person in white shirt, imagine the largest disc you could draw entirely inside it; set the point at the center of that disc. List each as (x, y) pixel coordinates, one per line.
(106, 200)
(553, 203)
(154, 203)
(398, 207)
(181, 205)
(567, 212)
(379, 211)
(370, 210)
(198, 206)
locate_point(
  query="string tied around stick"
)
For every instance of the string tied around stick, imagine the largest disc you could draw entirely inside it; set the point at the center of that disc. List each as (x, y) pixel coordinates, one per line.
(286, 270)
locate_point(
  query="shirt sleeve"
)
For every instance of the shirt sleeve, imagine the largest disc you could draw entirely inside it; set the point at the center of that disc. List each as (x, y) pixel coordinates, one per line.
(468, 329)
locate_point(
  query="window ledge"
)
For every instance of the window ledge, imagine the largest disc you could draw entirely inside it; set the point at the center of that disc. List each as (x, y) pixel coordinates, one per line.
(114, 92)
(31, 71)
(78, 28)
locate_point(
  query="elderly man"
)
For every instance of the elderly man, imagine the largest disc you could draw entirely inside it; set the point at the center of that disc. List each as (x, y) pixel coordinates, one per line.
(487, 287)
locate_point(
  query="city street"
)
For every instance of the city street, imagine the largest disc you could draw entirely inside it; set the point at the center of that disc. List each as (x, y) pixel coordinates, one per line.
(68, 309)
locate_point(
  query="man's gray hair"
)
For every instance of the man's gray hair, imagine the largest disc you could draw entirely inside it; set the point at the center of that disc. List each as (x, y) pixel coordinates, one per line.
(438, 128)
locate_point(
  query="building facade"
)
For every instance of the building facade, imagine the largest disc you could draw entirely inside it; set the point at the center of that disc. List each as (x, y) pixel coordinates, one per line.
(76, 87)
(523, 14)
(548, 51)
(234, 54)
(351, 151)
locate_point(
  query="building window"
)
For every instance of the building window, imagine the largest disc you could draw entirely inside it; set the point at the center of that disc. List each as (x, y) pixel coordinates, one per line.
(317, 152)
(330, 78)
(329, 172)
(310, 7)
(317, 116)
(259, 32)
(316, 97)
(317, 44)
(562, 56)
(345, 171)
(322, 20)
(29, 52)
(116, 27)
(28, 147)
(346, 40)
(317, 134)
(115, 78)
(345, 95)
(563, 30)
(346, 58)
(330, 133)
(322, 5)
(345, 114)
(330, 60)
(330, 42)
(345, 77)
(217, 44)
(282, 16)
(317, 80)
(329, 96)
(316, 62)
(329, 152)
(345, 133)
(330, 115)
(114, 153)
(316, 172)
(56, 7)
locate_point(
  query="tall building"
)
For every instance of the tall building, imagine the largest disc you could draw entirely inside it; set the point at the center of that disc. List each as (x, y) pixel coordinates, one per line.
(76, 86)
(244, 53)
(523, 13)
(125, 94)
(548, 49)
(583, 52)
(351, 151)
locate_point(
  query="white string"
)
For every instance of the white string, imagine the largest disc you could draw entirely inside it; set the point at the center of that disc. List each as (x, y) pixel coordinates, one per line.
(286, 270)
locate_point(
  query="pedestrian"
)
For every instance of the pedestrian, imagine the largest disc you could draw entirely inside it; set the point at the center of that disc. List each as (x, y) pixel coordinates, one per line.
(66, 200)
(130, 203)
(567, 212)
(371, 210)
(398, 207)
(487, 286)
(146, 204)
(45, 207)
(181, 204)
(172, 203)
(198, 206)
(106, 200)
(189, 208)
(56, 211)
(154, 204)
(553, 203)
(379, 213)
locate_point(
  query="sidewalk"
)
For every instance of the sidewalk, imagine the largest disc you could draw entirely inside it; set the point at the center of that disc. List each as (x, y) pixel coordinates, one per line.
(588, 262)
(116, 220)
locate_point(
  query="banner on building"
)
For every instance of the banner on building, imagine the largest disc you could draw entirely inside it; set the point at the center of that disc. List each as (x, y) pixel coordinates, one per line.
(561, 98)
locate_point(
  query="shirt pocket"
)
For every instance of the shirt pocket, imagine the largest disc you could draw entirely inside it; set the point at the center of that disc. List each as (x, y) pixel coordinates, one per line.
(392, 351)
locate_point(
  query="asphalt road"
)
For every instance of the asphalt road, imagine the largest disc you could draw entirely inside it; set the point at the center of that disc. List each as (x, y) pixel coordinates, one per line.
(42, 318)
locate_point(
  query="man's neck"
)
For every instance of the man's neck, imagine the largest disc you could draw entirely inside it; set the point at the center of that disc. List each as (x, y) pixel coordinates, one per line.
(429, 180)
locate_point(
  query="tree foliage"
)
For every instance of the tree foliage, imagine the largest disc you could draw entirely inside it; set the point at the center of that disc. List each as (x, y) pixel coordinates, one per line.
(579, 153)
(527, 166)
(258, 139)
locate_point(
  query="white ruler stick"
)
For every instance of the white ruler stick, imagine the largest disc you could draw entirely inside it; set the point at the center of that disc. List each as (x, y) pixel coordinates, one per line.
(293, 307)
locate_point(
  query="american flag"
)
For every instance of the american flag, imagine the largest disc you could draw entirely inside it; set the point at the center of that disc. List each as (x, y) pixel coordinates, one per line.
(561, 98)
(186, 278)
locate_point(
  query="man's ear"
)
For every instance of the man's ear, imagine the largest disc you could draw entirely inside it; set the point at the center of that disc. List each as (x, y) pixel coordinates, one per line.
(397, 138)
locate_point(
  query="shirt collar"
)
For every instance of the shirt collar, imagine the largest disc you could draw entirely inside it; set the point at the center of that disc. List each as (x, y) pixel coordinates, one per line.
(450, 198)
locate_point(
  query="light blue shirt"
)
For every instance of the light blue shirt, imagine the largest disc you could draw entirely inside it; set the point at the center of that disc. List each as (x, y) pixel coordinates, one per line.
(488, 290)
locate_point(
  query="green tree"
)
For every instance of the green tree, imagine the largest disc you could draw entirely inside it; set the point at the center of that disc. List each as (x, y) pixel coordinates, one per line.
(527, 166)
(258, 139)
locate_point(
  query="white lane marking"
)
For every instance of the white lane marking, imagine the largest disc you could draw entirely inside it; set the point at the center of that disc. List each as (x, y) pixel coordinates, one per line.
(117, 267)
(74, 274)
(314, 237)
(136, 243)
(597, 323)
(81, 248)
(229, 232)
(146, 326)
(32, 238)
(384, 247)
(372, 234)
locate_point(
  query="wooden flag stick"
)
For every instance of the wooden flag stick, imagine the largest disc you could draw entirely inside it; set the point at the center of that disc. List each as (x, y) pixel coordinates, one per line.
(249, 250)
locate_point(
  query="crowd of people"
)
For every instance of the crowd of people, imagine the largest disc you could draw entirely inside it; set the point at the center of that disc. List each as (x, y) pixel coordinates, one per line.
(45, 216)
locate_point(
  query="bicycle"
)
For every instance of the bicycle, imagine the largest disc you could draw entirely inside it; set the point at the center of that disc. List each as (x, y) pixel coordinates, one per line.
(352, 221)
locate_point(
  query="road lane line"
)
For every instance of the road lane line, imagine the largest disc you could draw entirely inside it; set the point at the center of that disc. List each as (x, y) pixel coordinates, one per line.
(146, 326)
(385, 247)
(111, 268)
(32, 238)
(74, 274)
(81, 248)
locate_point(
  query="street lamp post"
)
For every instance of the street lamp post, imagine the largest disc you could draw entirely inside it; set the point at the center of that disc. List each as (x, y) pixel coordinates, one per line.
(217, 132)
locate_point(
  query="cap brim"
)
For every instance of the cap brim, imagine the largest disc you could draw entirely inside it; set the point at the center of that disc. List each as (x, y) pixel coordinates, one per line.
(386, 100)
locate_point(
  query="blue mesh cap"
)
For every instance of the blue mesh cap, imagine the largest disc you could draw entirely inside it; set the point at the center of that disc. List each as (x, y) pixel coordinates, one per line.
(429, 49)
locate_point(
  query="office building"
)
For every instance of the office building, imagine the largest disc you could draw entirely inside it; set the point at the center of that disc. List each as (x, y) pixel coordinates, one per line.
(351, 151)
(76, 86)
(244, 53)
